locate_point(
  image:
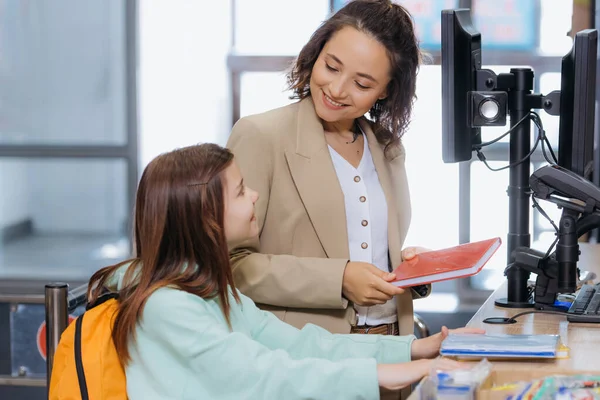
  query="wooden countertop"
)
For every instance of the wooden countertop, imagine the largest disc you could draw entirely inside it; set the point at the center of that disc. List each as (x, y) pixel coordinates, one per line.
(582, 339)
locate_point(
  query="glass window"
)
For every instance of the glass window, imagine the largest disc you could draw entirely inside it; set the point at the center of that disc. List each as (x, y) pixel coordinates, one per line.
(426, 14)
(525, 25)
(263, 91)
(433, 184)
(548, 83)
(275, 26)
(62, 219)
(555, 24)
(507, 24)
(62, 74)
(489, 218)
(184, 93)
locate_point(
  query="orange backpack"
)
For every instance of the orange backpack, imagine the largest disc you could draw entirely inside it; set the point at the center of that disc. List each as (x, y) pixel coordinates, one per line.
(86, 365)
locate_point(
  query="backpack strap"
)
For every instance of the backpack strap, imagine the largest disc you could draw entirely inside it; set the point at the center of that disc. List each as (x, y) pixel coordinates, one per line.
(79, 360)
(102, 298)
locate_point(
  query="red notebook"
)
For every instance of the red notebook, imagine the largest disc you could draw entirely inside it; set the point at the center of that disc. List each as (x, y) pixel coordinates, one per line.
(440, 265)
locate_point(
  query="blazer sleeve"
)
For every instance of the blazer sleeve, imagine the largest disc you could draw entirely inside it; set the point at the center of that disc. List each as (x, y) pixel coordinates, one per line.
(235, 366)
(279, 280)
(314, 341)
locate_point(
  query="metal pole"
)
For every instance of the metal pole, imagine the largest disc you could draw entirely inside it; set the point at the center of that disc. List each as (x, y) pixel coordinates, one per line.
(421, 326)
(131, 107)
(464, 202)
(57, 318)
(518, 188)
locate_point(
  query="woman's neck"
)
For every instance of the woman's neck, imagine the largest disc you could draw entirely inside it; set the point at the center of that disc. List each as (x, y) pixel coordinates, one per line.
(338, 126)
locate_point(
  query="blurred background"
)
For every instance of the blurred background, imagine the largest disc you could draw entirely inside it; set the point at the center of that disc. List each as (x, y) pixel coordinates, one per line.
(92, 90)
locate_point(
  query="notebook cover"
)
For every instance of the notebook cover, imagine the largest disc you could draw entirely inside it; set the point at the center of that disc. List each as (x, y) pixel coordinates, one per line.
(500, 346)
(451, 263)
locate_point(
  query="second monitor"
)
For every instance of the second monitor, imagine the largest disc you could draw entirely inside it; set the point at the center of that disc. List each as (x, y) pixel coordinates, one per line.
(577, 105)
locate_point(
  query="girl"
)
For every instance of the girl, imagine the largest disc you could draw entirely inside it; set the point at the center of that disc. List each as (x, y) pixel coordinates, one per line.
(183, 331)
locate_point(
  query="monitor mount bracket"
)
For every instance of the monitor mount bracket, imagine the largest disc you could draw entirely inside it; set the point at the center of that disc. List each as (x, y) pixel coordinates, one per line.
(513, 92)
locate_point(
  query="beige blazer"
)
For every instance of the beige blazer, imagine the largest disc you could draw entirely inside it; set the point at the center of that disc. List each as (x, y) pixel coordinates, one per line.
(295, 269)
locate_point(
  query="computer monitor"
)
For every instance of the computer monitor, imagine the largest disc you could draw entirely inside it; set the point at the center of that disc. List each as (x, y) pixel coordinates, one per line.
(576, 132)
(577, 105)
(461, 58)
(463, 78)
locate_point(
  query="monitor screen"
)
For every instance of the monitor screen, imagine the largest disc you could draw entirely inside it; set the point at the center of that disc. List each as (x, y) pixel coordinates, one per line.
(577, 105)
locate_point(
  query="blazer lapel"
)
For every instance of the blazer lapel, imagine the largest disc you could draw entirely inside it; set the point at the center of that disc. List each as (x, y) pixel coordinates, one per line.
(317, 183)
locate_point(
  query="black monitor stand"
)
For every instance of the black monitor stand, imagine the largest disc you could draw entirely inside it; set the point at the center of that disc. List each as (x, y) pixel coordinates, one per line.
(554, 272)
(518, 84)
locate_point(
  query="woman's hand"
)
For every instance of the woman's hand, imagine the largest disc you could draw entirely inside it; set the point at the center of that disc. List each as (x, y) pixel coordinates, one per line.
(365, 285)
(429, 347)
(397, 376)
(410, 252)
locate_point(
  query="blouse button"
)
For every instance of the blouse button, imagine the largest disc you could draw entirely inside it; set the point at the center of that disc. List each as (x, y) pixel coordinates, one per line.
(364, 222)
(364, 245)
(357, 178)
(363, 199)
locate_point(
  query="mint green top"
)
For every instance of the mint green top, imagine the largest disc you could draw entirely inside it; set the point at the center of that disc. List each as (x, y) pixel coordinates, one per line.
(184, 350)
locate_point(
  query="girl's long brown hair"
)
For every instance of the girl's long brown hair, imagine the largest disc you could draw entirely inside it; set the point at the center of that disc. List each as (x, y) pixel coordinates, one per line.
(179, 237)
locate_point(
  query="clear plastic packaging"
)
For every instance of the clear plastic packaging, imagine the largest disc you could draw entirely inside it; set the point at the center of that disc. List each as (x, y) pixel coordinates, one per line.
(500, 346)
(454, 385)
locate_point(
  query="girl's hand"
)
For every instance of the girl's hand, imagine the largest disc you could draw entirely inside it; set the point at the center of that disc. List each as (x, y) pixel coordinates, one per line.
(429, 347)
(397, 376)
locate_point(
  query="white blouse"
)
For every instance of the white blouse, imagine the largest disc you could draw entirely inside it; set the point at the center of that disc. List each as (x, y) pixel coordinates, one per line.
(367, 225)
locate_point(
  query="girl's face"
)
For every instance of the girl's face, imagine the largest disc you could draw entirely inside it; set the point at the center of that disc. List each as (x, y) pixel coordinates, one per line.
(240, 220)
(351, 73)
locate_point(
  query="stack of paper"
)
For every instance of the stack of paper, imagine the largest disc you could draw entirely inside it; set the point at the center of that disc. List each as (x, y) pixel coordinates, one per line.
(500, 346)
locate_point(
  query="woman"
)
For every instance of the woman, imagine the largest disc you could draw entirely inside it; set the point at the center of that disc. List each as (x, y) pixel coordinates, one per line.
(335, 206)
(183, 331)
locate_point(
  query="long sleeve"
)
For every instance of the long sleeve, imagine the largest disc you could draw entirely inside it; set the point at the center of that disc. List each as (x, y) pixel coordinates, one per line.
(279, 280)
(313, 341)
(222, 364)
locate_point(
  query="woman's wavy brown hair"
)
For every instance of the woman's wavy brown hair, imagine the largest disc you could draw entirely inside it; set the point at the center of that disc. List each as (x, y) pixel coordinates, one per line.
(391, 25)
(179, 237)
